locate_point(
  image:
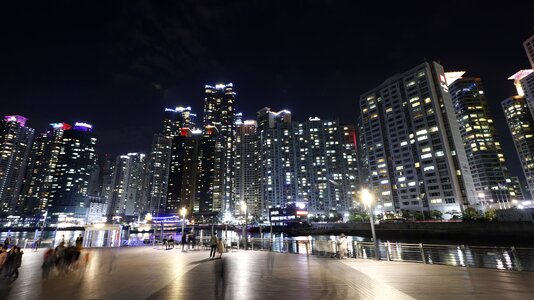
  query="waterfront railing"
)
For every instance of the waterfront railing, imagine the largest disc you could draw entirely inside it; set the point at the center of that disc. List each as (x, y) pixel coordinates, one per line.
(504, 258)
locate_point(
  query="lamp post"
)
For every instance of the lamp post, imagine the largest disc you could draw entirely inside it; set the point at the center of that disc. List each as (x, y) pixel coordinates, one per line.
(244, 233)
(367, 199)
(183, 210)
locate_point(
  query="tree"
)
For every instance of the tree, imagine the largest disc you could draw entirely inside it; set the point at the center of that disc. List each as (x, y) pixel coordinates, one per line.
(419, 216)
(314, 219)
(490, 214)
(470, 214)
(334, 216)
(436, 215)
(407, 214)
(358, 216)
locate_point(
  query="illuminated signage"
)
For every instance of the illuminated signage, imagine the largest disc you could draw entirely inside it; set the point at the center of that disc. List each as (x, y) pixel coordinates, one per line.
(82, 124)
(63, 126)
(16, 118)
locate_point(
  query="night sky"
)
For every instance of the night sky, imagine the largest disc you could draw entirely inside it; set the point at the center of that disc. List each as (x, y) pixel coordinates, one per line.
(118, 65)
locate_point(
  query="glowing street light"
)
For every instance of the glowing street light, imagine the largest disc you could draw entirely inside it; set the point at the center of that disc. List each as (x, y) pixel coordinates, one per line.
(183, 211)
(367, 200)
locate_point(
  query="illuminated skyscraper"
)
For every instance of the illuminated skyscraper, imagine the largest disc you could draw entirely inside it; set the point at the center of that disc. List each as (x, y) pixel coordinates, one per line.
(158, 174)
(76, 161)
(128, 177)
(482, 146)
(247, 168)
(313, 162)
(524, 84)
(183, 171)
(15, 144)
(175, 119)
(521, 124)
(42, 164)
(209, 180)
(325, 166)
(219, 112)
(219, 108)
(413, 146)
(277, 171)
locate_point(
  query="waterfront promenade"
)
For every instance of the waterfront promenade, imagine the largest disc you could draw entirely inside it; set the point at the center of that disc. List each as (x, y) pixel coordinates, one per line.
(148, 273)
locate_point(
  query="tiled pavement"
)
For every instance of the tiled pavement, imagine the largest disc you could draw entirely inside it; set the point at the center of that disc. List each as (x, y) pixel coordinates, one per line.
(146, 273)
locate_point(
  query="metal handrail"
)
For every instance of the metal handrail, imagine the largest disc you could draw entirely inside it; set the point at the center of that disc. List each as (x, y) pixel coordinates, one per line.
(506, 258)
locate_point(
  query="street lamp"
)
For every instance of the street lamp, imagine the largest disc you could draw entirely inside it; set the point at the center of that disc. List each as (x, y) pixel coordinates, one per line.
(183, 211)
(244, 233)
(367, 199)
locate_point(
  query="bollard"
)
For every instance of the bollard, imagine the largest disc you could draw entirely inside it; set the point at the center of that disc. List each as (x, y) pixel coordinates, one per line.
(388, 256)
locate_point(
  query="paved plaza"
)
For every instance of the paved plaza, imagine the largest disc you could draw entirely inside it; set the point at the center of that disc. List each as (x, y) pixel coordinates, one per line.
(148, 273)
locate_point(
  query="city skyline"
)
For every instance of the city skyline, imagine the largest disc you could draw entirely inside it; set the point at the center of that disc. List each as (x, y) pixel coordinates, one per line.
(121, 73)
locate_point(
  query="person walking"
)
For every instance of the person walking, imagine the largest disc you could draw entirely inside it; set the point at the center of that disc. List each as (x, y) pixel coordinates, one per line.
(213, 245)
(37, 244)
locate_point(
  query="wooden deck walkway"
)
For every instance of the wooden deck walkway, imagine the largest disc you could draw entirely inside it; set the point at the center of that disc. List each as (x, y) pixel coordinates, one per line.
(146, 273)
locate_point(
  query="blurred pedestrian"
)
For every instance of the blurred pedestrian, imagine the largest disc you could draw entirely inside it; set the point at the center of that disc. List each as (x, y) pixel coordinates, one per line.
(17, 262)
(79, 246)
(165, 244)
(213, 245)
(10, 262)
(79, 241)
(184, 241)
(220, 247)
(3, 258)
(331, 248)
(171, 242)
(112, 261)
(342, 246)
(48, 263)
(37, 244)
(7, 241)
(59, 255)
(192, 239)
(221, 278)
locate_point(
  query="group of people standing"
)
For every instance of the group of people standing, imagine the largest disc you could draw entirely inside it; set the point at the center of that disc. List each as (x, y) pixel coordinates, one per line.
(335, 248)
(64, 257)
(216, 246)
(168, 243)
(10, 260)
